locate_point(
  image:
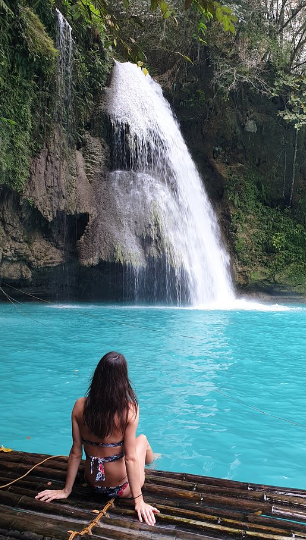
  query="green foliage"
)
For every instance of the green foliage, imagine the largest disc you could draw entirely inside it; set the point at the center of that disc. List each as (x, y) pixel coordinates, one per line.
(205, 17)
(293, 89)
(40, 45)
(4, 7)
(207, 8)
(95, 34)
(223, 14)
(90, 72)
(270, 245)
(192, 97)
(27, 63)
(185, 21)
(268, 46)
(90, 21)
(15, 131)
(164, 7)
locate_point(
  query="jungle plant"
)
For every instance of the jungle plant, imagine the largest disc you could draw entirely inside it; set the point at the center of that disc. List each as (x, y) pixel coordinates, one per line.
(27, 63)
(269, 242)
(270, 39)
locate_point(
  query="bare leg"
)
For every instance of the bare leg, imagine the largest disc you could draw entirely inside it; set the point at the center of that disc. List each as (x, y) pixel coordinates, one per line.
(145, 455)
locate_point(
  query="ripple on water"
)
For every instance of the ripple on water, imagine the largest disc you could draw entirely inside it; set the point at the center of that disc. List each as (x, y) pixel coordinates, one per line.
(178, 358)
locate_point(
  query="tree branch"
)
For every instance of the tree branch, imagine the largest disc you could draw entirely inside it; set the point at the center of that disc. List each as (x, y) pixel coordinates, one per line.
(294, 13)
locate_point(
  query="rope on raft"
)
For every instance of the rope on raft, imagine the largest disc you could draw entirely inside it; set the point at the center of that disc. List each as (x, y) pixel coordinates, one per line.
(87, 530)
(28, 472)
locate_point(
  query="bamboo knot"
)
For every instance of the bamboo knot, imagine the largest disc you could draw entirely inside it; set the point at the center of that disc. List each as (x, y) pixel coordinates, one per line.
(89, 527)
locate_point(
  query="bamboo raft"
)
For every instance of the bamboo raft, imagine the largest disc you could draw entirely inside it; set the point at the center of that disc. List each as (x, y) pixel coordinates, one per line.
(192, 507)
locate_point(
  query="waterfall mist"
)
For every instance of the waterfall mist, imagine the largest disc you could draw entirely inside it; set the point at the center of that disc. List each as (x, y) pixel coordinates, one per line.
(170, 242)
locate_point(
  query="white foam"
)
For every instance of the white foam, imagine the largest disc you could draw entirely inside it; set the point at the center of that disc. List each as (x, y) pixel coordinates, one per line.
(169, 184)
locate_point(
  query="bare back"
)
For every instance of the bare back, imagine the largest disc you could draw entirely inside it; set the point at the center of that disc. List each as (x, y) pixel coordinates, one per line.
(115, 471)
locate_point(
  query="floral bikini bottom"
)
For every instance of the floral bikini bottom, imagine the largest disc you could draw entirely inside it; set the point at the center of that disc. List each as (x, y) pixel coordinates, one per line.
(111, 491)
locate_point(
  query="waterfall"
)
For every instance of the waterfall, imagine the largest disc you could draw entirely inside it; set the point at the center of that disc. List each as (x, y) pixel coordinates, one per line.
(64, 44)
(171, 240)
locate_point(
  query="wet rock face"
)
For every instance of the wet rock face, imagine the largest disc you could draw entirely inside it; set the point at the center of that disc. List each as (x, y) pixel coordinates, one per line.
(126, 228)
(39, 230)
(24, 246)
(64, 238)
(61, 179)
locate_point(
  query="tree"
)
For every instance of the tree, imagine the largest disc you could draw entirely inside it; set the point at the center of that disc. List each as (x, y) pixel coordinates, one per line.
(270, 40)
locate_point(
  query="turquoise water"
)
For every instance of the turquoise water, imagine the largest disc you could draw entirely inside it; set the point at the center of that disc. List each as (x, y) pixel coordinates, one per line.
(179, 361)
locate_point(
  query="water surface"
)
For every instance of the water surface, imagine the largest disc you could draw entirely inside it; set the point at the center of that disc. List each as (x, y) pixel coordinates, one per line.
(200, 375)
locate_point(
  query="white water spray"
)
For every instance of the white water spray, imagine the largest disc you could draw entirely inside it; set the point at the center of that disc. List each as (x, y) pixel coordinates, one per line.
(148, 143)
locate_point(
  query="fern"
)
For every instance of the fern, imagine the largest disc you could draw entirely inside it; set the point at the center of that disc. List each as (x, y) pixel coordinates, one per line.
(5, 8)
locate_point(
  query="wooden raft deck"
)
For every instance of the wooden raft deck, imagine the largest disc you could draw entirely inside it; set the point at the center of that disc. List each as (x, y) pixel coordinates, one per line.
(192, 507)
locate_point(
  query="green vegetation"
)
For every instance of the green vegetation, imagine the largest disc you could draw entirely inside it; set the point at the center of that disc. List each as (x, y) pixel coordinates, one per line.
(208, 10)
(269, 243)
(28, 76)
(266, 56)
(27, 64)
(28, 67)
(209, 54)
(267, 50)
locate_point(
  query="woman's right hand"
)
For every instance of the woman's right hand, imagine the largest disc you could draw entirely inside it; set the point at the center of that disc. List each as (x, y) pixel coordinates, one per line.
(146, 512)
(49, 495)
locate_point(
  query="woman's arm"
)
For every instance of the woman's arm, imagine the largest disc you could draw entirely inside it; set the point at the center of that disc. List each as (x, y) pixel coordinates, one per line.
(145, 511)
(74, 460)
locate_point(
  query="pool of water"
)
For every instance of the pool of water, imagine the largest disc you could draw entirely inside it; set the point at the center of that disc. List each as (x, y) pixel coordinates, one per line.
(221, 392)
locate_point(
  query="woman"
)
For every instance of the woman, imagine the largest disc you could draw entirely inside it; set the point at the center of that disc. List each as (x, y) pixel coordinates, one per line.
(105, 422)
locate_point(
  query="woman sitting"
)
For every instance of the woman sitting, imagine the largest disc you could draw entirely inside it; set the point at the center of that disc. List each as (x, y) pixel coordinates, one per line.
(105, 423)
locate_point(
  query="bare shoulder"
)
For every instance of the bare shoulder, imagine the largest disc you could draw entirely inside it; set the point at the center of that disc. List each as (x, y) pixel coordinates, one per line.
(133, 414)
(79, 406)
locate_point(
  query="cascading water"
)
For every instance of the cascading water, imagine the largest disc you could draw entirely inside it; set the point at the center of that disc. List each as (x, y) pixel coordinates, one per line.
(64, 44)
(183, 260)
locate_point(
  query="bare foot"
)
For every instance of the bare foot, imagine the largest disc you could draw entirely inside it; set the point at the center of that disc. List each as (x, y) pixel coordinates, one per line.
(156, 456)
(149, 455)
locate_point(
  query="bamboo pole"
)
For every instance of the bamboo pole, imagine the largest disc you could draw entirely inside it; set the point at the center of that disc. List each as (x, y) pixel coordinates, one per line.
(68, 507)
(187, 518)
(214, 507)
(216, 499)
(150, 473)
(224, 482)
(24, 457)
(167, 477)
(235, 490)
(32, 504)
(241, 531)
(265, 505)
(204, 488)
(35, 525)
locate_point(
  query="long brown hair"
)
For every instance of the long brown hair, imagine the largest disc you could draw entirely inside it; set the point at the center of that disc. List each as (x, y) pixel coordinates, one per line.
(109, 393)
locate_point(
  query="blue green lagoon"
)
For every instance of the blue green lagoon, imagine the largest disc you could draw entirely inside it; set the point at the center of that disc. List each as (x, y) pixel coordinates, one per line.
(221, 392)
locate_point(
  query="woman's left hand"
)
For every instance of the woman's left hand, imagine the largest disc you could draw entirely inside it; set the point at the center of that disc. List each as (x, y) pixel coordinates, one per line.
(49, 495)
(146, 512)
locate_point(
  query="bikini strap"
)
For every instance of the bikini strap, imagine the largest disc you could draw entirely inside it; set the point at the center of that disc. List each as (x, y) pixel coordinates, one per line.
(102, 445)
